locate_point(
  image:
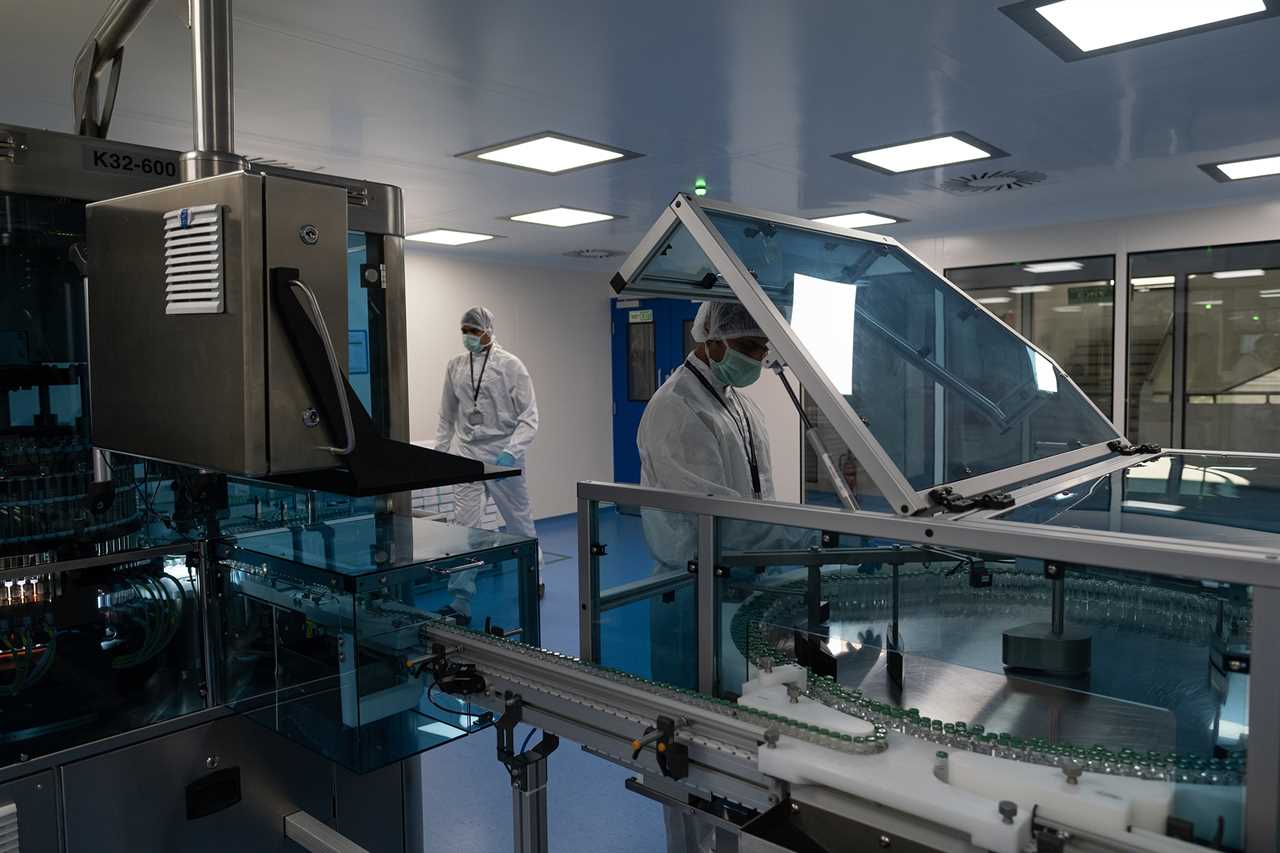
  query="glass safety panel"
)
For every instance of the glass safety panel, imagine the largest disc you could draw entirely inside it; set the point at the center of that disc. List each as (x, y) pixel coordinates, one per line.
(323, 627)
(983, 655)
(1209, 497)
(945, 388)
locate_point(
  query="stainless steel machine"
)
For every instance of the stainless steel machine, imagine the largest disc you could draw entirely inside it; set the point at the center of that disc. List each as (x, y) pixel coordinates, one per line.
(219, 628)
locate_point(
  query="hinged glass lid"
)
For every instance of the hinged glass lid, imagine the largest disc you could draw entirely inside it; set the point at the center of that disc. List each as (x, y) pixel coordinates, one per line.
(923, 384)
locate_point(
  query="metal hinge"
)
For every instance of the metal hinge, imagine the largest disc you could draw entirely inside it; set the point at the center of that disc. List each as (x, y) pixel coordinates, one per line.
(10, 145)
(952, 501)
(1124, 448)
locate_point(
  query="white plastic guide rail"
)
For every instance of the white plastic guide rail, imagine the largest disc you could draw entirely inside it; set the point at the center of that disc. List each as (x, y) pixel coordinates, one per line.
(193, 260)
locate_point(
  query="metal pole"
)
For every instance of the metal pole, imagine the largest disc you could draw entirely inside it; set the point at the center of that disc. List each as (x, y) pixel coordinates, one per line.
(708, 629)
(1262, 781)
(212, 92)
(102, 50)
(529, 808)
(588, 581)
(1059, 603)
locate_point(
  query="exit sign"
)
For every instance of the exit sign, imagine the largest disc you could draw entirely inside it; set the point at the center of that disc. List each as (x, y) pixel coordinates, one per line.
(1094, 293)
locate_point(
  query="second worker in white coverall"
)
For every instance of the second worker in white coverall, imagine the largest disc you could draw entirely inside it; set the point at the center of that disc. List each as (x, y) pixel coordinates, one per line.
(488, 412)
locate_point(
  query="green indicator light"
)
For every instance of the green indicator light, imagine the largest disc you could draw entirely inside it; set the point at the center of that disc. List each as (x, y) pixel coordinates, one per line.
(1256, 318)
(700, 186)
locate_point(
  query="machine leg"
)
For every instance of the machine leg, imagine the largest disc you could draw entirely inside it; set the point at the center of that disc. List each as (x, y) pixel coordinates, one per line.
(528, 771)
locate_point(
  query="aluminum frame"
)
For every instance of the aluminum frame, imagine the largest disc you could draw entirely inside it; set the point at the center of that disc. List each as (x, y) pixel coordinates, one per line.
(888, 478)
(1241, 564)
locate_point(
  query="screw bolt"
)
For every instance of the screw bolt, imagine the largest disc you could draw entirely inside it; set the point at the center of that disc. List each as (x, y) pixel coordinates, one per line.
(1072, 770)
(885, 841)
(1008, 810)
(212, 761)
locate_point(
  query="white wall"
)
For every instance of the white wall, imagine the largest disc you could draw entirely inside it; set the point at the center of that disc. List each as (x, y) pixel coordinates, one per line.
(557, 322)
(1202, 227)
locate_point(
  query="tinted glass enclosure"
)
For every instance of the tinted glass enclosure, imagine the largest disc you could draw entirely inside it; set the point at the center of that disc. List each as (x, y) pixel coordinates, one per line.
(923, 384)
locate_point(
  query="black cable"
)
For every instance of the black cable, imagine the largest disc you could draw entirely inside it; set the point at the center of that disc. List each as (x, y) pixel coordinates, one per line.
(527, 738)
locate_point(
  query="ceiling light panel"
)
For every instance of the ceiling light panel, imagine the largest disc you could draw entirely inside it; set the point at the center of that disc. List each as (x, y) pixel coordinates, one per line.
(1076, 29)
(995, 300)
(1054, 266)
(1240, 170)
(1239, 273)
(1031, 288)
(929, 153)
(1152, 281)
(449, 237)
(549, 153)
(562, 217)
(861, 219)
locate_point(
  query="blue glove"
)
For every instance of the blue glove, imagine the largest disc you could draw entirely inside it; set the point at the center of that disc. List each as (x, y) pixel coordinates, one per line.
(506, 460)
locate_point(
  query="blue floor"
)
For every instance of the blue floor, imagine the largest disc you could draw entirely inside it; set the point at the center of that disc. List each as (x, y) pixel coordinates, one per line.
(466, 792)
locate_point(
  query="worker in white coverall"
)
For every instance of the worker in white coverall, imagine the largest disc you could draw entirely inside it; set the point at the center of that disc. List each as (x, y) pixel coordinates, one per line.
(700, 435)
(489, 407)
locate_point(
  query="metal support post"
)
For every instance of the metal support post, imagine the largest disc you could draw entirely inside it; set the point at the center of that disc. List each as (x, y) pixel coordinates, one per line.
(893, 640)
(1058, 604)
(588, 581)
(1262, 780)
(212, 95)
(528, 771)
(708, 623)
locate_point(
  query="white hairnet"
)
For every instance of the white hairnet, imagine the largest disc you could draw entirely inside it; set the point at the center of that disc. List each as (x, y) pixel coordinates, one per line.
(722, 321)
(479, 317)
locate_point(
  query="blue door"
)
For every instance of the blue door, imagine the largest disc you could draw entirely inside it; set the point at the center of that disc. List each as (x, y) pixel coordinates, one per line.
(651, 337)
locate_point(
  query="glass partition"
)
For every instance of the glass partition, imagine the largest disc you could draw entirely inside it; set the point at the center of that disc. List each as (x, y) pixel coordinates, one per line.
(1205, 347)
(647, 618)
(954, 648)
(945, 389)
(322, 628)
(1066, 307)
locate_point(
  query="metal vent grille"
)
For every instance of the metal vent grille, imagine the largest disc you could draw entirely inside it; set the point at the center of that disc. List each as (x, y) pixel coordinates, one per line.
(996, 180)
(9, 829)
(593, 254)
(193, 260)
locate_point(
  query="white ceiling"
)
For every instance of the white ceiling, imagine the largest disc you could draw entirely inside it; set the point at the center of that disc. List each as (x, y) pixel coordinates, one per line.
(755, 95)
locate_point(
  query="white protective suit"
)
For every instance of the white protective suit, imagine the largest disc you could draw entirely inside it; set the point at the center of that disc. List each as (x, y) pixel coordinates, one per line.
(689, 442)
(506, 401)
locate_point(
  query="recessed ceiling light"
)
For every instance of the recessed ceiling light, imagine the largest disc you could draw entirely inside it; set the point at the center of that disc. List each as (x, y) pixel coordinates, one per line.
(1269, 294)
(1095, 24)
(995, 300)
(1054, 266)
(919, 154)
(1239, 170)
(1208, 303)
(562, 217)
(448, 237)
(550, 153)
(1239, 274)
(862, 219)
(1031, 288)
(1152, 280)
(1075, 29)
(1068, 309)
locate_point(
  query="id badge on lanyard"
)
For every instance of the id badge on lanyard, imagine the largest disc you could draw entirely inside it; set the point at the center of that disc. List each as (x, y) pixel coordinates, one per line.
(476, 418)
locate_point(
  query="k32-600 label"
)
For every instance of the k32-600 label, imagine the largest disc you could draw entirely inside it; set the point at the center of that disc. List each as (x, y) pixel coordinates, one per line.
(123, 162)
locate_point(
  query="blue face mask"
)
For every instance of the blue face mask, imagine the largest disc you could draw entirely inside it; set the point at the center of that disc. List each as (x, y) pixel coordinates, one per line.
(473, 343)
(736, 369)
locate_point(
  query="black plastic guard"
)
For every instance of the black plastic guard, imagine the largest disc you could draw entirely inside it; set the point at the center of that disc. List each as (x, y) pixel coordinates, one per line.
(378, 465)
